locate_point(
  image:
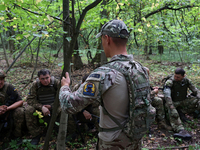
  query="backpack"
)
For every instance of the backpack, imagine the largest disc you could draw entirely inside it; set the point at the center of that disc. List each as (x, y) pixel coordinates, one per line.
(141, 112)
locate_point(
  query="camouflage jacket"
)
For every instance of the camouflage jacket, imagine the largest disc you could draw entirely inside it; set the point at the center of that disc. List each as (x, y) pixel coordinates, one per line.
(106, 83)
(177, 91)
(10, 97)
(32, 98)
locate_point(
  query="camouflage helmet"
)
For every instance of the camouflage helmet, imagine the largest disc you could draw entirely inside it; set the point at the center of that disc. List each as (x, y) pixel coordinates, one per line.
(2, 74)
(114, 28)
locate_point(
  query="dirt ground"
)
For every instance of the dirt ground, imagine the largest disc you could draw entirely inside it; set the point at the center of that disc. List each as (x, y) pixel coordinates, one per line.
(20, 76)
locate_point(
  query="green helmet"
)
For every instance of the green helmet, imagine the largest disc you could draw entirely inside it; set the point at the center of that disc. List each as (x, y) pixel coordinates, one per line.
(2, 74)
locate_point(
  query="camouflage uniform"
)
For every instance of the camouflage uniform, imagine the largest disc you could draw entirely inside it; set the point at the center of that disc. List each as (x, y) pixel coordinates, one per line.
(8, 96)
(176, 97)
(157, 102)
(35, 104)
(112, 86)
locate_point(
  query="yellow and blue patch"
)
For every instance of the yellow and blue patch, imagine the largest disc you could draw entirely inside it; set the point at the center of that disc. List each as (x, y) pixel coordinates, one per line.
(89, 89)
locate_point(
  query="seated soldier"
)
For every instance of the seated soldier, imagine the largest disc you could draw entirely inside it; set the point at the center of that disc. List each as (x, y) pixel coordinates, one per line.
(41, 98)
(11, 112)
(175, 92)
(85, 116)
(157, 102)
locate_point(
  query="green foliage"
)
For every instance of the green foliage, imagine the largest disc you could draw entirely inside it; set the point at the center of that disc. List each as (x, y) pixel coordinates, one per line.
(40, 116)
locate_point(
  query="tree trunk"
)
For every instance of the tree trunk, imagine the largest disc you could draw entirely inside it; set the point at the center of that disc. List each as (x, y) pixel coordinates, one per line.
(4, 50)
(78, 64)
(66, 48)
(160, 47)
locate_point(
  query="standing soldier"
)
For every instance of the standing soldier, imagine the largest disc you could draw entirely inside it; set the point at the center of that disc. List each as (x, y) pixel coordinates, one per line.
(176, 97)
(11, 112)
(115, 91)
(41, 98)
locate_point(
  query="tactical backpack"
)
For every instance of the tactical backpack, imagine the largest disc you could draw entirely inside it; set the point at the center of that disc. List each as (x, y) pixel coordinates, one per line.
(141, 112)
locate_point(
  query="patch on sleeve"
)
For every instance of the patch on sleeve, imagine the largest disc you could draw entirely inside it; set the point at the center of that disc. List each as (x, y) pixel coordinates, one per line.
(94, 77)
(89, 89)
(15, 89)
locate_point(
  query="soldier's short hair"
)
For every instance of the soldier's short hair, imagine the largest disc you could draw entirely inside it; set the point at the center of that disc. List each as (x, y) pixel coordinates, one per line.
(43, 72)
(180, 71)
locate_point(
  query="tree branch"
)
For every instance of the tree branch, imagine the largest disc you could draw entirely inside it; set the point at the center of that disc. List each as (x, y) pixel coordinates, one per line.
(36, 13)
(167, 7)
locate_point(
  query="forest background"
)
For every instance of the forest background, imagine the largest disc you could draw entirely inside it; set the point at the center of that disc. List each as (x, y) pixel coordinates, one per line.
(60, 35)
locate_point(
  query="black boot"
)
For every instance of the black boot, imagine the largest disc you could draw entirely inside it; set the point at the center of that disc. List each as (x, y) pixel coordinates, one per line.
(183, 135)
(36, 140)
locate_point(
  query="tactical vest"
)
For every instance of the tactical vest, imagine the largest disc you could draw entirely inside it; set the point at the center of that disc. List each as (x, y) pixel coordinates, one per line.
(179, 90)
(141, 112)
(3, 94)
(46, 94)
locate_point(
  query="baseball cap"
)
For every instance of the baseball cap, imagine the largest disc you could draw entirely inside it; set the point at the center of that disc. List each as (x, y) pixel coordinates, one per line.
(114, 28)
(2, 73)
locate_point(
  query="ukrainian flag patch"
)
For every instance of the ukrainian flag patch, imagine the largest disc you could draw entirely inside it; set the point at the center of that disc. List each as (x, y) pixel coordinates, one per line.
(89, 89)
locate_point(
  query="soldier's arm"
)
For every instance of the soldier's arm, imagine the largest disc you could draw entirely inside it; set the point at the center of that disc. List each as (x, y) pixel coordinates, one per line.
(15, 105)
(167, 89)
(89, 92)
(194, 90)
(32, 97)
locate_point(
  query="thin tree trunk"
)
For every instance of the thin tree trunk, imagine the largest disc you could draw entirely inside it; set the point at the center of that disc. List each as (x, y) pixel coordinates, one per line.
(4, 50)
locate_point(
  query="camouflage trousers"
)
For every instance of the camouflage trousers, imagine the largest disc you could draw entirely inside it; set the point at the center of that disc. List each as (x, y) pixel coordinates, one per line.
(32, 121)
(189, 105)
(173, 115)
(34, 127)
(157, 102)
(19, 121)
(120, 143)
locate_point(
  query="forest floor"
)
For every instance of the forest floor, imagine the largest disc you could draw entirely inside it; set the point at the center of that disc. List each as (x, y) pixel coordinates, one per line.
(20, 76)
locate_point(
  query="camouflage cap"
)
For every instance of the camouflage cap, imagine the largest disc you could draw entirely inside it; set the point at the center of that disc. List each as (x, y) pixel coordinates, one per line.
(113, 28)
(2, 73)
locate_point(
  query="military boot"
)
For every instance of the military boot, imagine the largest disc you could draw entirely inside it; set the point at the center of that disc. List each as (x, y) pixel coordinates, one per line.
(163, 125)
(183, 135)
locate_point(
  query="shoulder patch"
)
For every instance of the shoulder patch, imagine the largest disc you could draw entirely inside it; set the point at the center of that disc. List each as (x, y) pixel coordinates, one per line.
(94, 77)
(89, 89)
(15, 89)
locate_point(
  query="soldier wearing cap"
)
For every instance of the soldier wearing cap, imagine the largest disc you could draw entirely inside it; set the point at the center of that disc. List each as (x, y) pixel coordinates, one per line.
(11, 112)
(41, 98)
(107, 86)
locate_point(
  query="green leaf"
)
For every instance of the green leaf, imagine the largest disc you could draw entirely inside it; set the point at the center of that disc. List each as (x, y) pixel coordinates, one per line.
(41, 120)
(35, 114)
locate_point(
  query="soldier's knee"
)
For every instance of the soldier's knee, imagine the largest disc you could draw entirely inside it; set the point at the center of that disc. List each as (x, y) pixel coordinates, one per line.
(18, 112)
(29, 110)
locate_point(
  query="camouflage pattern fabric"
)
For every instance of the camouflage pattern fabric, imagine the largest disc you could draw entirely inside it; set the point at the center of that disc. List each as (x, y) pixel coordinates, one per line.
(187, 104)
(105, 82)
(33, 125)
(32, 96)
(19, 121)
(113, 28)
(157, 102)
